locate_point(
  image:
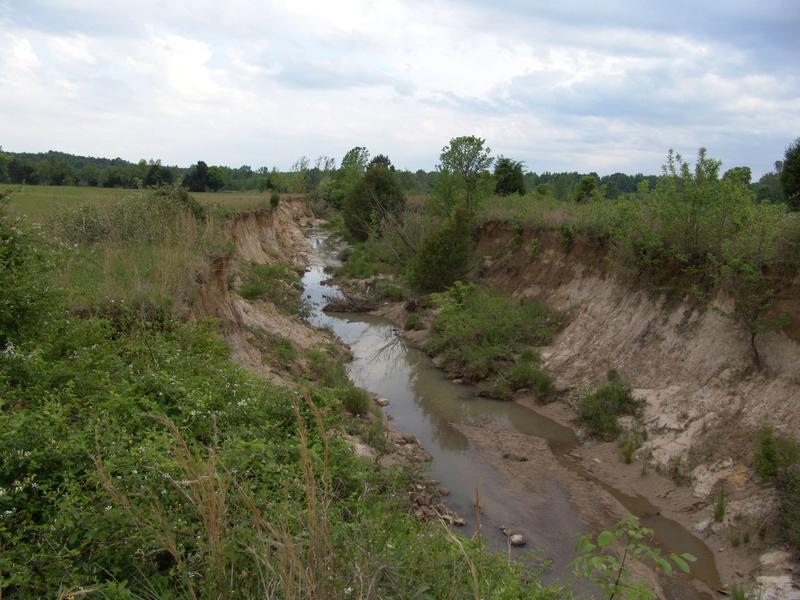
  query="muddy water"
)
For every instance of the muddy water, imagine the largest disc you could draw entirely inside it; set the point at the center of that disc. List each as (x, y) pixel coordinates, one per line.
(425, 403)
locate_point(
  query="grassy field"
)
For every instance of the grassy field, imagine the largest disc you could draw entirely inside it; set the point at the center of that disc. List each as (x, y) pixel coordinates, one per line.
(38, 202)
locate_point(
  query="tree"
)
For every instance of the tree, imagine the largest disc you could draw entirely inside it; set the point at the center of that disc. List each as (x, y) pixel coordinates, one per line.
(466, 157)
(443, 256)
(349, 174)
(790, 175)
(381, 160)
(196, 178)
(89, 175)
(20, 171)
(508, 177)
(216, 179)
(158, 175)
(374, 197)
(741, 175)
(586, 188)
(3, 165)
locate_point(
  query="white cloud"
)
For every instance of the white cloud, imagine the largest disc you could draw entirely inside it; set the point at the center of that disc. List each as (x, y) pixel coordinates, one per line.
(263, 82)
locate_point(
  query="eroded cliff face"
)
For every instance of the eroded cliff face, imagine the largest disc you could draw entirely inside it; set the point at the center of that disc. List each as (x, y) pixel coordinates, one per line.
(694, 367)
(264, 237)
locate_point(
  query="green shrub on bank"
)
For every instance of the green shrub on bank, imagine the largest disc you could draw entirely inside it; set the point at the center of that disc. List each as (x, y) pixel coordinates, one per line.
(599, 409)
(443, 256)
(777, 460)
(480, 333)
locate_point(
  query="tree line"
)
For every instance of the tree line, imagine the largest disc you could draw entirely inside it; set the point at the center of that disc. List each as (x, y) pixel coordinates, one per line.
(510, 176)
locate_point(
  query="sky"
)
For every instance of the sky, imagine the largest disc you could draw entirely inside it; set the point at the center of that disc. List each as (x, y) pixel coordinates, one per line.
(562, 85)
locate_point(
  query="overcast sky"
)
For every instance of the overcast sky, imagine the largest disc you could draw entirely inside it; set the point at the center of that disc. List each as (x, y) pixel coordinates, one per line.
(563, 85)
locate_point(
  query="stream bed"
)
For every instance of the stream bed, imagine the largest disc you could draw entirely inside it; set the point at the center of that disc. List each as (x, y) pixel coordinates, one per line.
(425, 403)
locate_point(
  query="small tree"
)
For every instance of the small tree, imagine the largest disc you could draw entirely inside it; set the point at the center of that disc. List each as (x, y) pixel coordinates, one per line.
(586, 188)
(742, 271)
(790, 175)
(467, 158)
(443, 256)
(610, 570)
(374, 197)
(350, 172)
(508, 176)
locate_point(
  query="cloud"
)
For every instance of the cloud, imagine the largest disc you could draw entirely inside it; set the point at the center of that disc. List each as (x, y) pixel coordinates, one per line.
(572, 85)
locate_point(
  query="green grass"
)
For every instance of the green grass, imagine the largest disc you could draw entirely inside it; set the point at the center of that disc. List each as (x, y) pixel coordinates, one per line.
(39, 202)
(278, 283)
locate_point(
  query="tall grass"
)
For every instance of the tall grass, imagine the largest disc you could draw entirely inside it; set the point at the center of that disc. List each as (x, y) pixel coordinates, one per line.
(151, 249)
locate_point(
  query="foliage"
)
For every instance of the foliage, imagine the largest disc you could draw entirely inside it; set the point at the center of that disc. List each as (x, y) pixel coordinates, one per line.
(355, 400)
(274, 199)
(777, 459)
(467, 158)
(443, 256)
(413, 322)
(586, 188)
(376, 197)
(482, 334)
(599, 409)
(720, 505)
(609, 569)
(350, 172)
(742, 272)
(790, 175)
(508, 176)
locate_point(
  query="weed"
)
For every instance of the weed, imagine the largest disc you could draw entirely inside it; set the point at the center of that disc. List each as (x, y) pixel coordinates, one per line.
(277, 283)
(720, 505)
(629, 443)
(355, 400)
(535, 247)
(599, 409)
(413, 322)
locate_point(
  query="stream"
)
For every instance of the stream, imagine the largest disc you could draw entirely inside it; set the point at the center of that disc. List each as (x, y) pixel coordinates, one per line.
(425, 403)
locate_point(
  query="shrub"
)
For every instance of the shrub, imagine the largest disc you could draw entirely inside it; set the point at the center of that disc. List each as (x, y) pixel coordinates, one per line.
(376, 196)
(598, 410)
(413, 322)
(355, 400)
(478, 332)
(443, 256)
(529, 375)
(274, 199)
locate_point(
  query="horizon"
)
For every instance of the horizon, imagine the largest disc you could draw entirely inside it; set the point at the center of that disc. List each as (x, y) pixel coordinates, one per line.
(573, 87)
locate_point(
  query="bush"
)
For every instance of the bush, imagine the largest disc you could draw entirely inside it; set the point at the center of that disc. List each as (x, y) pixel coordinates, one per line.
(529, 375)
(443, 256)
(375, 197)
(355, 400)
(598, 410)
(274, 199)
(478, 332)
(413, 322)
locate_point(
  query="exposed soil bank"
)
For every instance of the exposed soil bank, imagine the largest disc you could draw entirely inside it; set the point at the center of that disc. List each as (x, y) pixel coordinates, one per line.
(693, 367)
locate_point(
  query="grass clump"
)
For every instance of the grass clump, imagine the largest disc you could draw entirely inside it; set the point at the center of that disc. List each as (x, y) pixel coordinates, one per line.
(484, 334)
(413, 322)
(354, 400)
(599, 409)
(277, 283)
(777, 460)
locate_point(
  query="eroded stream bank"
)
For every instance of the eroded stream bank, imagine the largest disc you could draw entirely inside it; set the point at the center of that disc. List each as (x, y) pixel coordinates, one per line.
(516, 459)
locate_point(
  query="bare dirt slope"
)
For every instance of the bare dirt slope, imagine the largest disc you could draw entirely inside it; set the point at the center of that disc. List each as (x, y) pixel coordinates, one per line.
(265, 237)
(704, 398)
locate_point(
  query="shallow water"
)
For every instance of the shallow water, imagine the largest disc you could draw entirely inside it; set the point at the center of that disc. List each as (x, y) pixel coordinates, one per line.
(423, 402)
